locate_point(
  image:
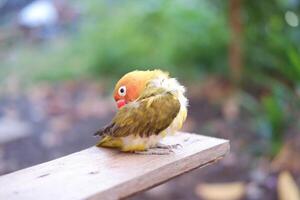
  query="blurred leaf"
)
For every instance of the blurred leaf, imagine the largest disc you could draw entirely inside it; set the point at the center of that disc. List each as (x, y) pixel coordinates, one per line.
(273, 112)
(287, 187)
(274, 108)
(221, 191)
(295, 64)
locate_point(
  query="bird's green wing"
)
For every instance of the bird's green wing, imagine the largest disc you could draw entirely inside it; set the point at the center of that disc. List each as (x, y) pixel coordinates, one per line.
(152, 113)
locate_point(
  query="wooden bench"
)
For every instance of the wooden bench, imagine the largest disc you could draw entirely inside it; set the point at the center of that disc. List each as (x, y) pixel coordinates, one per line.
(99, 173)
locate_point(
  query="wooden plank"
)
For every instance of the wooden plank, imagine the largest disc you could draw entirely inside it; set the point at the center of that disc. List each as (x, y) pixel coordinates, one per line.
(99, 173)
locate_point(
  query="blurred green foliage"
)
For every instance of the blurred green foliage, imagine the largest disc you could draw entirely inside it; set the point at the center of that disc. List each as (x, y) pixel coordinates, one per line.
(181, 37)
(275, 119)
(114, 37)
(188, 38)
(271, 46)
(272, 64)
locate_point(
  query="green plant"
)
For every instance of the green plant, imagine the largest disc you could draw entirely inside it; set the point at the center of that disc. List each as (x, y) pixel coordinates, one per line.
(184, 38)
(274, 115)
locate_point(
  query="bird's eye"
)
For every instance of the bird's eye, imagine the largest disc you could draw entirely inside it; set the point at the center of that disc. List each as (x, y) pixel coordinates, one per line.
(122, 91)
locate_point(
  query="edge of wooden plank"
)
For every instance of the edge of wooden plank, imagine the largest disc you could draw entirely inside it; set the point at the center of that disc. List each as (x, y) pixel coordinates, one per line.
(181, 167)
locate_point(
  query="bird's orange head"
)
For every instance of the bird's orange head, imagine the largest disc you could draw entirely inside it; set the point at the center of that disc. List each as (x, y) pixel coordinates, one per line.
(131, 85)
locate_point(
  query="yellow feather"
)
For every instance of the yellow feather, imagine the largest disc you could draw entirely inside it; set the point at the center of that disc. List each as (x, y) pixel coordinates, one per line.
(183, 116)
(150, 102)
(108, 141)
(163, 133)
(134, 147)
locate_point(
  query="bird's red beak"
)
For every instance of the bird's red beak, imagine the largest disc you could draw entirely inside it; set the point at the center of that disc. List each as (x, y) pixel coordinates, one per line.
(121, 103)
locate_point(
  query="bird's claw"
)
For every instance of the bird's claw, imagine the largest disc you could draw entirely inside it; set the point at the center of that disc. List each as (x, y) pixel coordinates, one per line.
(155, 151)
(166, 146)
(160, 149)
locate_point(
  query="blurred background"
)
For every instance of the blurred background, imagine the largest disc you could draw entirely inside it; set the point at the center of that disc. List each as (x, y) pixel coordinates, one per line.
(239, 60)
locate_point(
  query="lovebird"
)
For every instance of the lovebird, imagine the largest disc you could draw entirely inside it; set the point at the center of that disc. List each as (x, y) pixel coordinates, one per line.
(151, 105)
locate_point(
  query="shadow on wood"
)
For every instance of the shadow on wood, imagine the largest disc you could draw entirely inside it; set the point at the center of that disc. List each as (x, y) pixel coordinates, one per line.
(99, 173)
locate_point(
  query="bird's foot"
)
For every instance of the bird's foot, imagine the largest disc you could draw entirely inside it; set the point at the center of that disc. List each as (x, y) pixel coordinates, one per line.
(155, 151)
(168, 146)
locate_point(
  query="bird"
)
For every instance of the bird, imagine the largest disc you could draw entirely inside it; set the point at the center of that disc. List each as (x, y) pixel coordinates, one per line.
(151, 105)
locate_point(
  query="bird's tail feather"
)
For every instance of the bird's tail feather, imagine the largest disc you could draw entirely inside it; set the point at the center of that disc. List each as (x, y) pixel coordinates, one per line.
(99, 132)
(107, 141)
(105, 131)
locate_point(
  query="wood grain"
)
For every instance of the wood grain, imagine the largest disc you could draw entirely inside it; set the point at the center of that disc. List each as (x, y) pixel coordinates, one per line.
(99, 173)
